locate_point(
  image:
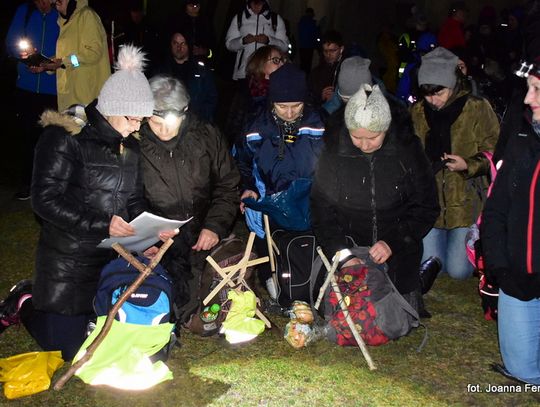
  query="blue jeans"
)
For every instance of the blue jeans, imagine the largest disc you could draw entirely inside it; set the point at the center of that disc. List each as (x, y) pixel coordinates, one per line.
(449, 246)
(519, 337)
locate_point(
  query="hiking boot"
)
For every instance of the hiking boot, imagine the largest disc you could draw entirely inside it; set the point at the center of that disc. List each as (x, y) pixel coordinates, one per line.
(11, 305)
(429, 270)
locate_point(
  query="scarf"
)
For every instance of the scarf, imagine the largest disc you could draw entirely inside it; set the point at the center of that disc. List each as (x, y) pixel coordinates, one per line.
(258, 87)
(287, 132)
(439, 138)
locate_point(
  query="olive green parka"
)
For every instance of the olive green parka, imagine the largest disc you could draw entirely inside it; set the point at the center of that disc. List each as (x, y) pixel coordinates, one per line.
(475, 130)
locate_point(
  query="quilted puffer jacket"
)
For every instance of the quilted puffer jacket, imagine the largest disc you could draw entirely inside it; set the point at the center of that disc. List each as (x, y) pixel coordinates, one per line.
(82, 177)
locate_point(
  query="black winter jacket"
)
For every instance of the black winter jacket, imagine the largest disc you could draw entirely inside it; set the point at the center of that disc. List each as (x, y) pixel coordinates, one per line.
(387, 195)
(194, 177)
(510, 229)
(80, 180)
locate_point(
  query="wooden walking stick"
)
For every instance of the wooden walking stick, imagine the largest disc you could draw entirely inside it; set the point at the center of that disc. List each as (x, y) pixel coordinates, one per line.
(272, 248)
(144, 272)
(328, 279)
(356, 334)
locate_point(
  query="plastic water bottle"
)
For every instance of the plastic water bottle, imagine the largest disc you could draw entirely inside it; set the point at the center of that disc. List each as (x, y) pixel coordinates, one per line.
(210, 313)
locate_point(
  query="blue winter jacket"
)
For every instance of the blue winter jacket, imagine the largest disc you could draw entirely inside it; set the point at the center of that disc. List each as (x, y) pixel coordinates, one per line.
(258, 157)
(42, 31)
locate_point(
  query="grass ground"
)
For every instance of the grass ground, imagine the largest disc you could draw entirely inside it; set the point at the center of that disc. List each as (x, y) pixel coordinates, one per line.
(268, 372)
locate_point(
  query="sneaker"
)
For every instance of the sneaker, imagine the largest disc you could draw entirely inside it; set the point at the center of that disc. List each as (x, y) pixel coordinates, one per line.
(22, 195)
(429, 270)
(10, 306)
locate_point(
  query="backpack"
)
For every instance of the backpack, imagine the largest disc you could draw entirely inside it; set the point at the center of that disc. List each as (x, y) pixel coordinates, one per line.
(374, 304)
(489, 293)
(297, 271)
(150, 304)
(273, 17)
(228, 252)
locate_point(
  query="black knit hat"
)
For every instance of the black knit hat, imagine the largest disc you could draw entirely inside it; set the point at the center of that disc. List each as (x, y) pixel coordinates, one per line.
(287, 84)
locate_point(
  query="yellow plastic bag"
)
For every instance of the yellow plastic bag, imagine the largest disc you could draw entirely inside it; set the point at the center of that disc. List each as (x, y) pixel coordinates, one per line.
(28, 373)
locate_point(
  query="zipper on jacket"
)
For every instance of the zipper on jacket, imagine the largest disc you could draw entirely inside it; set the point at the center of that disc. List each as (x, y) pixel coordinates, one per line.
(257, 30)
(443, 205)
(121, 160)
(374, 232)
(43, 29)
(177, 165)
(530, 223)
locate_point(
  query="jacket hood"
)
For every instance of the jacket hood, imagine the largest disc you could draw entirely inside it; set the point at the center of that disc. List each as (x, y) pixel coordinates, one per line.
(265, 11)
(73, 124)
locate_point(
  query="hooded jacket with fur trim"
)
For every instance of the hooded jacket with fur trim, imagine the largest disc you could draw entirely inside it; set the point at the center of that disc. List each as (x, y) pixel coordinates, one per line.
(82, 177)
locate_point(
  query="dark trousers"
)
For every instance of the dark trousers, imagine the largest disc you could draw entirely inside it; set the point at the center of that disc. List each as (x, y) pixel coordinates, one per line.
(28, 107)
(65, 333)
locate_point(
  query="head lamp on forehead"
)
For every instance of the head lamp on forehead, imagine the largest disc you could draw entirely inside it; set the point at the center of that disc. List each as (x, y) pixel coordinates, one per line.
(528, 68)
(171, 115)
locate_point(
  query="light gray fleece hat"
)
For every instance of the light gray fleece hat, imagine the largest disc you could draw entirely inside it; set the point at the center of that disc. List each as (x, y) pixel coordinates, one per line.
(354, 71)
(127, 91)
(438, 68)
(370, 112)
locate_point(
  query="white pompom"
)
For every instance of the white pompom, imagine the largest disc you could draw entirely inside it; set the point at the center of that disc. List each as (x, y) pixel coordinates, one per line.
(130, 58)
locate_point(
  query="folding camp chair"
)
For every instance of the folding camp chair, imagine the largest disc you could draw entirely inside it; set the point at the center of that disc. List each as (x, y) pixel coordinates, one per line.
(234, 276)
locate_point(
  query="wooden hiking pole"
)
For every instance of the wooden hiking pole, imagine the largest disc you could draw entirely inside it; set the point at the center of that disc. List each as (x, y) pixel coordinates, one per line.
(339, 296)
(144, 272)
(328, 279)
(272, 248)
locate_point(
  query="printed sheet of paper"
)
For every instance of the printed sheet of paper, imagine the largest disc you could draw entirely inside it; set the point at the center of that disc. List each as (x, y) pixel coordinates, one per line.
(147, 228)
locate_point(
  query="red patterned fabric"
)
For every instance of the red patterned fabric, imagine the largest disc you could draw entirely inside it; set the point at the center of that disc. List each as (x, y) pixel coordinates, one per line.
(351, 281)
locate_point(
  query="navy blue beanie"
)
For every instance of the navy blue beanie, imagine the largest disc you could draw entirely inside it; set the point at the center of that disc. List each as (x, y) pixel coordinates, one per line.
(287, 84)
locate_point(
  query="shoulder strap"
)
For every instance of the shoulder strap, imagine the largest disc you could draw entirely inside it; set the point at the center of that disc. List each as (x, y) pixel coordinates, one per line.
(273, 17)
(239, 19)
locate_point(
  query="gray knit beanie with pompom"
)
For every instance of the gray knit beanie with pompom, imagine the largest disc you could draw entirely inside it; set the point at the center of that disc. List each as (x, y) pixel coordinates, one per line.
(127, 91)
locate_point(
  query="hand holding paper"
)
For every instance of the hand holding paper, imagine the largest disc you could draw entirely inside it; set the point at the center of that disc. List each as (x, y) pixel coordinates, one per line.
(148, 228)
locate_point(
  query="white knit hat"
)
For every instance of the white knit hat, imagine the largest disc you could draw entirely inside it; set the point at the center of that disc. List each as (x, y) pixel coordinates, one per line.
(127, 91)
(368, 112)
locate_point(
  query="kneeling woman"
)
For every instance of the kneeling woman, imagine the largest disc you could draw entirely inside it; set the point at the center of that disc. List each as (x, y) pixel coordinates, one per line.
(187, 171)
(374, 184)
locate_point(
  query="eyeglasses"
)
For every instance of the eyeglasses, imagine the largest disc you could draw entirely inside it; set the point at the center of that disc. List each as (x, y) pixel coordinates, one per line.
(277, 60)
(134, 119)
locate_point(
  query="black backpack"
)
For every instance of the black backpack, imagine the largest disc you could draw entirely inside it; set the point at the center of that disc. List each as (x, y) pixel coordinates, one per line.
(298, 279)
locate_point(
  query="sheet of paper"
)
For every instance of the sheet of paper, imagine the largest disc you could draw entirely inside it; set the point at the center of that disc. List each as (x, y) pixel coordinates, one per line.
(147, 228)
